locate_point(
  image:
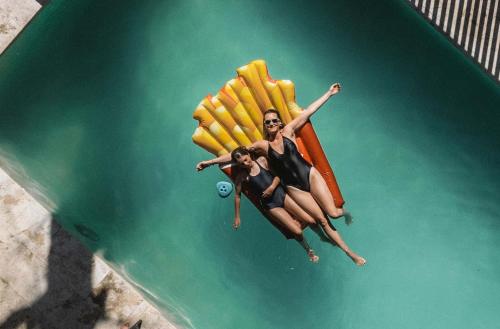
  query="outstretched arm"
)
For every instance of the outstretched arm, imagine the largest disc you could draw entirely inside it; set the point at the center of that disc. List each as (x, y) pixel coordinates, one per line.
(299, 121)
(222, 159)
(259, 147)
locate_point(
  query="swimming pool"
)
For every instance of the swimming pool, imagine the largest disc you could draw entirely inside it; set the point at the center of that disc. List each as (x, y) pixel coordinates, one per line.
(97, 99)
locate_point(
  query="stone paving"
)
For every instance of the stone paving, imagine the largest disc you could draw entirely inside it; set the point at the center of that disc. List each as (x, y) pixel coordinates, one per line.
(49, 280)
(14, 16)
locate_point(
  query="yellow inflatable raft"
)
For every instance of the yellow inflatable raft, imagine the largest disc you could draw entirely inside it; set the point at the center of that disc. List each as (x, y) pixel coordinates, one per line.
(234, 117)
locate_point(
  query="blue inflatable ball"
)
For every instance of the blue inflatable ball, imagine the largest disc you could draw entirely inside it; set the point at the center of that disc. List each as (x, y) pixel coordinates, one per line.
(224, 189)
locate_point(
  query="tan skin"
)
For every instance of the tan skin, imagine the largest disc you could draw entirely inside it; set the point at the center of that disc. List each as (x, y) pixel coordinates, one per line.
(286, 216)
(319, 200)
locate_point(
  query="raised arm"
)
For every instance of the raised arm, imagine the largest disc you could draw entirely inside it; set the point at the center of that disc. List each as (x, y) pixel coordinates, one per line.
(299, 121)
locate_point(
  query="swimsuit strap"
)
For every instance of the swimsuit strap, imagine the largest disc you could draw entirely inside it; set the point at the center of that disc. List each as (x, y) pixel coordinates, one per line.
(289, 142)
(260, 169)
(270, 148)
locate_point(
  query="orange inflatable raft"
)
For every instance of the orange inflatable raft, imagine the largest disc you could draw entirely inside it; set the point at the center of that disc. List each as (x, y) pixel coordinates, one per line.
(234, 117)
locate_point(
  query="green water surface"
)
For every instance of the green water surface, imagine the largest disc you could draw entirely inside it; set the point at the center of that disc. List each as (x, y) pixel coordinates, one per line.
(96, 99)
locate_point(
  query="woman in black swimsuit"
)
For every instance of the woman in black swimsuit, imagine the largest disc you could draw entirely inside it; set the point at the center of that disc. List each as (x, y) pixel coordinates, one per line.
(304, 183)
(273, 198)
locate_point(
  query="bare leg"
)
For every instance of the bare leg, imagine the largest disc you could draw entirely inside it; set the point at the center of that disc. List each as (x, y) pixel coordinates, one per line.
(342, 245)
(304, 218)
(297, 212)
(321, 234)
(322, 195)
(310, 253)
(307, 202)
(285, 219)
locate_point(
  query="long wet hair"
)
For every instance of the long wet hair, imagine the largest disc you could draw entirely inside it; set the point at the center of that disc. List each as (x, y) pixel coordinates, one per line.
(239, 151)
(266, 135)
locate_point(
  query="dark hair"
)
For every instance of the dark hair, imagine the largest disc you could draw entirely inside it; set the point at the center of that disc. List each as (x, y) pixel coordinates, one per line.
(240, 150)
(264, 124)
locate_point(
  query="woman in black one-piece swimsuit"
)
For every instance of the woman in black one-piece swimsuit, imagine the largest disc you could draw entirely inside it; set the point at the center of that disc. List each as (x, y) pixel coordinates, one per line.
(303, 182)
(272, 196)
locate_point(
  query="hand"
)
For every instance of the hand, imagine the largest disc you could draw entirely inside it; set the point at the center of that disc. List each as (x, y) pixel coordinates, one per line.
(202, 165)
(268, 192)
(236, 223)
(335, 88)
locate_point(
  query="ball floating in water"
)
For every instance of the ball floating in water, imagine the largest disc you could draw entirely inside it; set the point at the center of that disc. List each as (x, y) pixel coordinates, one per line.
(224, 189)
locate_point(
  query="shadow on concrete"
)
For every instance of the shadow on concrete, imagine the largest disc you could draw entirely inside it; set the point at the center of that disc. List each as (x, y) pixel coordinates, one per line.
(69, 301)
(43, 2)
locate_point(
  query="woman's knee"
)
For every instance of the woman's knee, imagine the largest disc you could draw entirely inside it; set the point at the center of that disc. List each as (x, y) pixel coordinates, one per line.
(297, 231)
(335, 212)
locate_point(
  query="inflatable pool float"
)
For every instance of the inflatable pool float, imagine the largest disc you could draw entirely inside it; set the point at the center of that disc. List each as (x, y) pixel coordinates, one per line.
(234, 118)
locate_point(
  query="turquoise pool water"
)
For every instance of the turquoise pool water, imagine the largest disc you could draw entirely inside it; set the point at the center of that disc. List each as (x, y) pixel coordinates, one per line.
(96, 103)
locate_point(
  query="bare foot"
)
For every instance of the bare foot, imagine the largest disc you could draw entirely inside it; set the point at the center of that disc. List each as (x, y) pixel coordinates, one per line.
(358, 260)
(312, 257)
(348, 219)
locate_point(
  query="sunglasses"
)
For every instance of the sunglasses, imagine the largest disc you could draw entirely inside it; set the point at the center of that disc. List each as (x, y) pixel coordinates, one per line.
(268, 122)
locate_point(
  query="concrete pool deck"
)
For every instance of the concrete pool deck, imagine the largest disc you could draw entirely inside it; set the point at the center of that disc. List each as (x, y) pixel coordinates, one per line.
(14, 16)
(48, 279)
